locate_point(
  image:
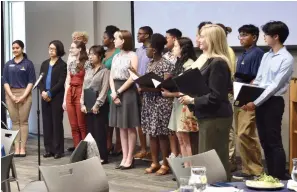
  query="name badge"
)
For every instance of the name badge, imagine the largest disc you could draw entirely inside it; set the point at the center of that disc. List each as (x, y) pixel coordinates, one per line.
(12, 65)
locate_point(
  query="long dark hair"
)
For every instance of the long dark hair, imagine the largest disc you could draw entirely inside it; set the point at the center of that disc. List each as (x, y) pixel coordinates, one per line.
(22, 45)
(187, 52)
(83, 55)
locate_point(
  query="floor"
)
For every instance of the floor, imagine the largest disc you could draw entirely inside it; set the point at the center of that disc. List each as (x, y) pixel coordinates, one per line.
(133, 180)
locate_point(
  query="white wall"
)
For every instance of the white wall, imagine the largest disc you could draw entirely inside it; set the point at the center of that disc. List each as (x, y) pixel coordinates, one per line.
(46, 21)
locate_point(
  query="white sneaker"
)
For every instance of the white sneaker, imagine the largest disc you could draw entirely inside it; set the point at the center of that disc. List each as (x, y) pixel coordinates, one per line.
(171, 156)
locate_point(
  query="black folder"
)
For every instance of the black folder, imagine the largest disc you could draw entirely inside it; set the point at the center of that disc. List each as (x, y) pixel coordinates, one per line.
(90, 97)
(244, 77)
(247, 94)
(145, 81)
(191, 82)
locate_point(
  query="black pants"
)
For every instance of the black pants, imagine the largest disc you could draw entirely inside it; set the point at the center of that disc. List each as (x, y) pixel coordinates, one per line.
(53, 130)
(96, 125)
(269, 120)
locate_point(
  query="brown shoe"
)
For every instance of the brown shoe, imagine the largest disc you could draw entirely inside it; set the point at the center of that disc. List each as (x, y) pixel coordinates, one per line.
(140, 155)
(148, 157)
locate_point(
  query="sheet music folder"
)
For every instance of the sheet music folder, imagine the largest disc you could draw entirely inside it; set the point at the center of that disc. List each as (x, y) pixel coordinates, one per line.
(90, 97)
(245, 93)
(146, 80)
(191, 82)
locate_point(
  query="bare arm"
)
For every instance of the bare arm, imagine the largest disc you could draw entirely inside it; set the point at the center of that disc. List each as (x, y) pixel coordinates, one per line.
(129, 82)
(28, 90)
(7, 90)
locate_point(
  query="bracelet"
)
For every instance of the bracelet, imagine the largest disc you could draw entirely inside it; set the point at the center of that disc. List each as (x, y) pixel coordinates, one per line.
(193, 101)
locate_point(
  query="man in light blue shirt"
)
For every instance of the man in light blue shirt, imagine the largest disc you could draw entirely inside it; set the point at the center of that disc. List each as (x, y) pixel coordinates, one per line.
(274, 74)
(143, 36)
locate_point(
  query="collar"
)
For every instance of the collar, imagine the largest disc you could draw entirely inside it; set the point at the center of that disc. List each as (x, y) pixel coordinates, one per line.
(280, 52)
(13, 61)
(250, 49)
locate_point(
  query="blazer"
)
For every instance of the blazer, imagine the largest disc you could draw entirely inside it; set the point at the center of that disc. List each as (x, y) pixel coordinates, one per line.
(59, 73)
(216, 103)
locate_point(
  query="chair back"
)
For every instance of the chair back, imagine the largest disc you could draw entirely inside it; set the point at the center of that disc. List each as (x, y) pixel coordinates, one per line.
(215, 170)
(80, 152)
(7, 139)
(87, 175)
(6, 162)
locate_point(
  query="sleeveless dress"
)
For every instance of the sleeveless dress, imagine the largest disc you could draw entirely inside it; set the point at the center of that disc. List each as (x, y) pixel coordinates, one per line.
(127, 114)
(179, 122)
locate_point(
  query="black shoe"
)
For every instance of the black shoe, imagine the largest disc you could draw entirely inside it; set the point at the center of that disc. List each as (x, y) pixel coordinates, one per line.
(48, 154)
(119, 166)
(130, 167)
(70, 149)
(58, 156)
(23, 155)
(104, 162)
(242, 176)
(115, 154)
(16, 155)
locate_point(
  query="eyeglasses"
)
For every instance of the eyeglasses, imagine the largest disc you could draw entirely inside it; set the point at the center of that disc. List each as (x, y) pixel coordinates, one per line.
(243, 35)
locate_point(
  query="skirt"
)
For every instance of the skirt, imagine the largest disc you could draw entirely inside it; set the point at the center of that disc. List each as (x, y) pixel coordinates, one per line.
(127, 114)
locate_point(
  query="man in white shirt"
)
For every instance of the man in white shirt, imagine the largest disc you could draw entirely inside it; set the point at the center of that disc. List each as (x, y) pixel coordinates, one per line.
(274, 75)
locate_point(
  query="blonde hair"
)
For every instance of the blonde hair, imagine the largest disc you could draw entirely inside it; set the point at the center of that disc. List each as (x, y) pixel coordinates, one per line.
(82, 34)
(216, 40)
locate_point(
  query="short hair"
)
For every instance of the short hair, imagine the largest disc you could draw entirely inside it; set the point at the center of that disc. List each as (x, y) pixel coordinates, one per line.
(187, 49)
(82, 34)
(22, 45)
(98, 50)
(148, 30)
(174, 32)
(59, 47)
(110, 30)
(128, 40)
(226, 29)
(158, 42)
(202, 24)
(250, 29)
(276, 28)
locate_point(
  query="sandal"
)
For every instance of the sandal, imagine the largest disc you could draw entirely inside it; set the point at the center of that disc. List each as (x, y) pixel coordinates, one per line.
(152, 169)
(140, 155)
(163, 170)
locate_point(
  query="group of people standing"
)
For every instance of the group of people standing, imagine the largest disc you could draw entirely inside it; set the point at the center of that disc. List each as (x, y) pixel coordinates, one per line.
(177, 124)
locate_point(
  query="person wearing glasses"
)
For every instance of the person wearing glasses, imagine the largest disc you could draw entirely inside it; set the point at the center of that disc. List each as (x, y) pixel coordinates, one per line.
(18, 80)
(245, 123)
(143, 36)
(52, 91)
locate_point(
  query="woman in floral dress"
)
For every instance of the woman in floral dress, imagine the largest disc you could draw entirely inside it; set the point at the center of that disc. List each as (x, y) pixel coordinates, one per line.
(156, 109)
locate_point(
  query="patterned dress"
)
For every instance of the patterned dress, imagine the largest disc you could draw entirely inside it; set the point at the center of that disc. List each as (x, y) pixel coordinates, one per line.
(156, 109)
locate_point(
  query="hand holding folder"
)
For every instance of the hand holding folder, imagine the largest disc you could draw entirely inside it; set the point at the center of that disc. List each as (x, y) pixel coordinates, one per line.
(191, 82)
(245, 93)
(144, 81)
(90, 97)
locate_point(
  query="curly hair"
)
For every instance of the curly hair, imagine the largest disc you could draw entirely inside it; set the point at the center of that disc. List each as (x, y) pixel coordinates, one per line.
(83, 55)
(82, 34)
(187, 52)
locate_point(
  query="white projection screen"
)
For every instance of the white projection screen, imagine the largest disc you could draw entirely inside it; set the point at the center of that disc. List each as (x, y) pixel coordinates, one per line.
(163, 15)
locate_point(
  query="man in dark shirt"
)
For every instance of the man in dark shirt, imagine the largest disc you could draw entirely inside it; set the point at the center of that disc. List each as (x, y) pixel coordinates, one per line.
(245, 125)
